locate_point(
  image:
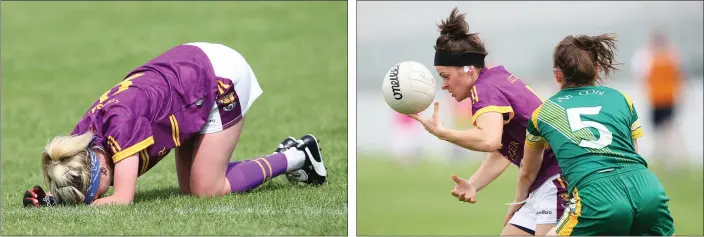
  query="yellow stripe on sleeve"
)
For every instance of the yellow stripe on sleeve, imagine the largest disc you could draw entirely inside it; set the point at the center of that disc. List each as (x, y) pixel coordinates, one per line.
(174, 130)
(133, 149)
(493, 108)
(534, 117)
(628, 100)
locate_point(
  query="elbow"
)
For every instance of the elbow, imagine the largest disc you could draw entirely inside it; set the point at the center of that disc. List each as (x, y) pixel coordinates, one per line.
(491, 145)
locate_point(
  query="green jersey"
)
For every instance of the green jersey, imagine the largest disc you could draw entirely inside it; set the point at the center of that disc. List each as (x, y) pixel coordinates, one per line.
(591, 129)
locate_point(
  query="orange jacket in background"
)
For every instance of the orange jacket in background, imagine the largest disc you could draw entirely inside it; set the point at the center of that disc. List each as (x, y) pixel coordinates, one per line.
(663, 78)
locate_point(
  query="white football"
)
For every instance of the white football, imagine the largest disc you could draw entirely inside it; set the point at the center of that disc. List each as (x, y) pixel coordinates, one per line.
(409, 87)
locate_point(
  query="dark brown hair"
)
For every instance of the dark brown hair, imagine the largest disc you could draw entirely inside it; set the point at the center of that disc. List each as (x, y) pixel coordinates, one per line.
(578, 56)
(455, 37)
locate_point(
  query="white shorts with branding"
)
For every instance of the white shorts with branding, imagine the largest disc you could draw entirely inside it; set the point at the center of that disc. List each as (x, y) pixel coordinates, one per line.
(229, 64)
(544, 205)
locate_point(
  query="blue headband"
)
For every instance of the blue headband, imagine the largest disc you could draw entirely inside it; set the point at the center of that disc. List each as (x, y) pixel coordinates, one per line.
(94, 176)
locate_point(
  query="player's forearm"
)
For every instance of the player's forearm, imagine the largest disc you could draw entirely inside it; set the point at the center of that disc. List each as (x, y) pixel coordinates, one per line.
(528, 172)
(493, 166)
(523, 187)
(113, 200)
(475, 139)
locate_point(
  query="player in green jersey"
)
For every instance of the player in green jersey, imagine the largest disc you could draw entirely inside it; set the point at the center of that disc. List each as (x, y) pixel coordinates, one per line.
(593, 131)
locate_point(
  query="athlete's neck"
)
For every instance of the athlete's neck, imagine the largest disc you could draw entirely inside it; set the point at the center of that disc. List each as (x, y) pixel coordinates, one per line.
(575, 86)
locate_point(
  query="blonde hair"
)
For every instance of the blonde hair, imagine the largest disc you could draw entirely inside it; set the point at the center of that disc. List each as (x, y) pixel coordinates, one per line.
(66, 167)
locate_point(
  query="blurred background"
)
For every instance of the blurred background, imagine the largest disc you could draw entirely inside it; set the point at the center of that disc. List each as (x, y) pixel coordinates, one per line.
(403, 173)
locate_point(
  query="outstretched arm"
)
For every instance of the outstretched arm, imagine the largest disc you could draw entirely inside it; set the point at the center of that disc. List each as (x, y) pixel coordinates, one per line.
(493, 166)
(486, 136)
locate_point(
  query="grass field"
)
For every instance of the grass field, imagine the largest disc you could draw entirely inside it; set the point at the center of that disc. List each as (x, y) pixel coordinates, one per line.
(415, 200)
(58, 57)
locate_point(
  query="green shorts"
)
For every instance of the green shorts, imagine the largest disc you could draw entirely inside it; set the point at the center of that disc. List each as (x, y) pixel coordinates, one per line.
(626, 201)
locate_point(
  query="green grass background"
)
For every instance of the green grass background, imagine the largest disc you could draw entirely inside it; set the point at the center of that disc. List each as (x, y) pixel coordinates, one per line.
(58, 57)
(414, 199)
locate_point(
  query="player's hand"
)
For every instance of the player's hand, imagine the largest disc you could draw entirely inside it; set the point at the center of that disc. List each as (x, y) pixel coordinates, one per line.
(512, 210)
(464, 191)
(433, 125)
(111, 200)
(36, 197)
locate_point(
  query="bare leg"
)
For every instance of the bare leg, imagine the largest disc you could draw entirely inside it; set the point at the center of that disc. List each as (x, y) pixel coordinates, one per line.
(184, 162)
(552, 232)
(543, 229)
(512, 230)
(212, 153)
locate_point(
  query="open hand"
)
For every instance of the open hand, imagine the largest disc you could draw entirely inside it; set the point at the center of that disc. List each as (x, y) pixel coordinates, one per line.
(433, 125)
(464, 191)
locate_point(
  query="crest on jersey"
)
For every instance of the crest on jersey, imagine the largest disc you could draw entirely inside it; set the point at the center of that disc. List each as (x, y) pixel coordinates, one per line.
(228, 99)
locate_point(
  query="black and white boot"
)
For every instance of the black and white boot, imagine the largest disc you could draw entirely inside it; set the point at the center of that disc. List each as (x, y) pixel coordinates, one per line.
(313, 171)
(286, 144)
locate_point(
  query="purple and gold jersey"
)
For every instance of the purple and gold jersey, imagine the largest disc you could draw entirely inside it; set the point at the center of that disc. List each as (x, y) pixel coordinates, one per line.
(157, 107)
(497, 90)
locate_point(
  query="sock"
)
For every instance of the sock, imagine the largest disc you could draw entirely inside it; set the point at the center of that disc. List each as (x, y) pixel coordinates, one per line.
(295, 159)
(232, 164)
(249, 174)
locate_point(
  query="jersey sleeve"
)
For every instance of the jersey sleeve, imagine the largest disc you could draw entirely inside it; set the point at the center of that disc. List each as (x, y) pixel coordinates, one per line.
(636, 130)
(127, 137)
(533, 135)
(487, 98)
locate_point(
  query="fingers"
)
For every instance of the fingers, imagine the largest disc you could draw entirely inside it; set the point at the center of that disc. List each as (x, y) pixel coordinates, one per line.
(461, 197)
(464, 197)
(457, 180)
(454, 193)
(436, 111)
(470, 199)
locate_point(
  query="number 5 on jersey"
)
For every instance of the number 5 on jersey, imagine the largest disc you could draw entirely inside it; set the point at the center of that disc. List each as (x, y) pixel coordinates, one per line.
(576, 123)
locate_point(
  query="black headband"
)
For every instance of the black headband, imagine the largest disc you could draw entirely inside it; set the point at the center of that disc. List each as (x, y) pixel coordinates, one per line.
(444, 58)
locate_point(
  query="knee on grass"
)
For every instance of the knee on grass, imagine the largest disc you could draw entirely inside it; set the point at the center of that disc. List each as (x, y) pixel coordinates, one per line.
(204, 189)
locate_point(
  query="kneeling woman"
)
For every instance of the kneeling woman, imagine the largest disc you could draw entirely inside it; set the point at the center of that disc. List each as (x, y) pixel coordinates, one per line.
(193, 98)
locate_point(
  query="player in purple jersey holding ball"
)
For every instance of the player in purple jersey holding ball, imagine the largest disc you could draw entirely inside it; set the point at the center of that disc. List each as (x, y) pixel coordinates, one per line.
(501, 108)
(193, 98)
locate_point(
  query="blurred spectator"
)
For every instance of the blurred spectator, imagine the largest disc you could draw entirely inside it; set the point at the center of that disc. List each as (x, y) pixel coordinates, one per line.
(658, 66)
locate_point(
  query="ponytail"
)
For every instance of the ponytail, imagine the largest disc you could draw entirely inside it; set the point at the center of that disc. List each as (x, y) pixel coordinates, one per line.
(66, 167)
(578, 57)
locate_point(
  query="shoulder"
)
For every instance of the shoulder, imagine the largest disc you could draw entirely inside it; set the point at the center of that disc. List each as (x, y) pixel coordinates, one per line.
(534, 115)
(623, 95)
